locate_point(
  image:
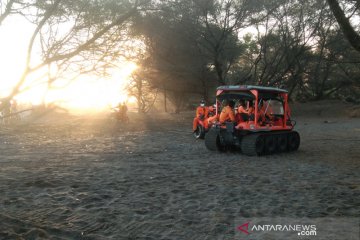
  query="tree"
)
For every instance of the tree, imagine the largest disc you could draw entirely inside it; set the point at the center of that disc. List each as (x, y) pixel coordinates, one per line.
(222, 20)
(173, 63)
(290, 49)
(140, 87)
(9, 7)
(79, 32)
(349, 31)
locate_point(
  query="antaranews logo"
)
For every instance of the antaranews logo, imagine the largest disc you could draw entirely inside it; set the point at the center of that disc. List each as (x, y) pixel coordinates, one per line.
(300, 229)
(325, 228)
(244, 228)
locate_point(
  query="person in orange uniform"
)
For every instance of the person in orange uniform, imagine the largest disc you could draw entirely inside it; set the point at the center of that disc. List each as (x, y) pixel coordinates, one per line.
(227, 113)
(241, 108)
(242, 113)
(211, 111)
(261, 112)
(251, 111)
(212, 117)
(264, 112)
(201, 114)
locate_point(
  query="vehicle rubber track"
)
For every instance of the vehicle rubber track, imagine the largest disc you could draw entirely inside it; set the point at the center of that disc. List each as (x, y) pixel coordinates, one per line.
(252, 144)
(212, 141)
(269, 143)
(293, 141)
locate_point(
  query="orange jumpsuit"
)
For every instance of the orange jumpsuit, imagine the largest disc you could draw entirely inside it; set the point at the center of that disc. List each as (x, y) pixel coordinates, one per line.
(201, 114)
(251, 113)
(261, 115)
(211, 117)
(241, 110)
(227, 114)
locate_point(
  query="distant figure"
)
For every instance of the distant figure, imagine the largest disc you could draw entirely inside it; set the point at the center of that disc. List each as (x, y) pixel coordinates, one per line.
(13, 110)
(122, 112)
(14, 106)
(5, 108)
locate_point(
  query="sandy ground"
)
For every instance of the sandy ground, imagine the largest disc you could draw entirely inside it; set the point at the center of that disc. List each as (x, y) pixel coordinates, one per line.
(84, 178)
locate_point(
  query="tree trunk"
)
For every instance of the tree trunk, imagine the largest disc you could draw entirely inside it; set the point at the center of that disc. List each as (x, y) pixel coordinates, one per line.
(139, 96)
(352, 36)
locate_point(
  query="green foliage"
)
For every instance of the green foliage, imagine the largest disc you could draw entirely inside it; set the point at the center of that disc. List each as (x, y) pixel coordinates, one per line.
(193, 46)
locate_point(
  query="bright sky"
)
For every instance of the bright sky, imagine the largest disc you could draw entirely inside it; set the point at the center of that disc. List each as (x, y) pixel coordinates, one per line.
(85, 93)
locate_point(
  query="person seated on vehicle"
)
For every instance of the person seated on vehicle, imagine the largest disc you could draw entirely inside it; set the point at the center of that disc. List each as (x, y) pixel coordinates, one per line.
(211, 111)
(201, 114)
(268, 109)
(251, 111)
(227, 113)
(212, 116)
(263, 113)
(242, 113)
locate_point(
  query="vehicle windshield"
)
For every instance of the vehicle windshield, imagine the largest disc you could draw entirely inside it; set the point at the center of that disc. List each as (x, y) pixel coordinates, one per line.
(273, 106)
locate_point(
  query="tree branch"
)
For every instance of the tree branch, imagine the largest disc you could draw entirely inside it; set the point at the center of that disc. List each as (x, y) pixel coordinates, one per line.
(7, 11)
(352, 36)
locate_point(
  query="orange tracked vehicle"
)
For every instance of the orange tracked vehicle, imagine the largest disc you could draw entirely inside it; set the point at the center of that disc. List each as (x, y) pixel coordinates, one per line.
(262, 123)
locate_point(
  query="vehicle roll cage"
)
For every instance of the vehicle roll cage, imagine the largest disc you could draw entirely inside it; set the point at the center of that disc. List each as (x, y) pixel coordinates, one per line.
(254, 93)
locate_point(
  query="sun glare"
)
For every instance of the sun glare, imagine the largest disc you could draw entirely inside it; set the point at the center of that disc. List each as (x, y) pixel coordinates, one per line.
(86, 93)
